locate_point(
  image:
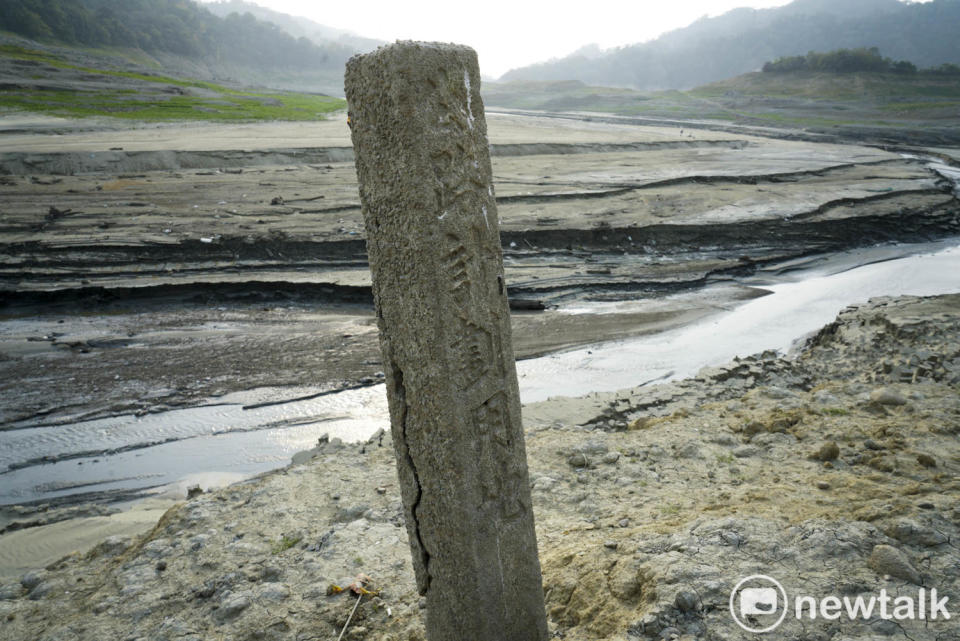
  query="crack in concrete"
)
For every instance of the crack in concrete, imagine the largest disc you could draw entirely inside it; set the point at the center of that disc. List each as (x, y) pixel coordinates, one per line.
(424, 579)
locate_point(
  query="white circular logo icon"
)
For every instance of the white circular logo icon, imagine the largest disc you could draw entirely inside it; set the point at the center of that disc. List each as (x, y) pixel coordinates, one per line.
(755, 600)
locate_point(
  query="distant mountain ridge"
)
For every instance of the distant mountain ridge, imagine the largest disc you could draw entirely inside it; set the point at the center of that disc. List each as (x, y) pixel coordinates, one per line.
(741, 40)
(296, 26)
(229, 41)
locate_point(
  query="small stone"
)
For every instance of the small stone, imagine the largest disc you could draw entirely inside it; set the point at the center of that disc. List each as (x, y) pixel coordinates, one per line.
(887, 396)
(823, 485)
(623, 522)
(33, 578)
(611, 457)
(270, 573)
(578, 460)
(754, 427)
(926, 460)
(829, 451)
(611, 545)
(350, 513)
(912, 533)
(161, 566)
(871, 444)
(687, 601)
(193, 491)
(824, 397)
(10, 591)
(275, 592)
(669, 633)
(888, 560)
(689, 450)
(232, 608)
(113, 545)
(745, 451)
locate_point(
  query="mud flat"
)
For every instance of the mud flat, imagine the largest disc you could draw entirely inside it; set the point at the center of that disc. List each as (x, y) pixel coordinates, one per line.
(835, 470)
(137, 288)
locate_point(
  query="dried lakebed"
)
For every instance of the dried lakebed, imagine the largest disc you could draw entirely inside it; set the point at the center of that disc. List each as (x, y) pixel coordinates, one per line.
(160, 290)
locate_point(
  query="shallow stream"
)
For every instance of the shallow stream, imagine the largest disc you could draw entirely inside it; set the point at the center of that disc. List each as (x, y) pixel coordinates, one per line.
(225, 442)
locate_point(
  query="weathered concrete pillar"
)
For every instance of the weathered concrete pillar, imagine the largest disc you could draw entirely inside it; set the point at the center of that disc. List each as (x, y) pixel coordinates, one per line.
(423, 164)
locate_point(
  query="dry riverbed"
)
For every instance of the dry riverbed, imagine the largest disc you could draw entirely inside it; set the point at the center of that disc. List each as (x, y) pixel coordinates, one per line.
(152, 268)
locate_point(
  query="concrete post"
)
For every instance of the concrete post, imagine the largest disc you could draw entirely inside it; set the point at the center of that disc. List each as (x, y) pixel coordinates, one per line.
(423, 165)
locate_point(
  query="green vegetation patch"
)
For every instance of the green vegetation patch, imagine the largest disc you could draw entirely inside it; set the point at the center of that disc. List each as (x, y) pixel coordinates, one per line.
(152, 107)
(154, 101)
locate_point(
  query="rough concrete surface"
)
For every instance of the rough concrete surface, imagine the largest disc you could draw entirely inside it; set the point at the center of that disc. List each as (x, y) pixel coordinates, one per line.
(440, 295)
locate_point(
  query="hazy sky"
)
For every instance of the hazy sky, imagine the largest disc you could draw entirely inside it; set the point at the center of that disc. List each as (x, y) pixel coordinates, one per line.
(508, 34)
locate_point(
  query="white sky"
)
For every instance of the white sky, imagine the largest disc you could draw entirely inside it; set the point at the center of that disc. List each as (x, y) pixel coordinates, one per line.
(509, 34)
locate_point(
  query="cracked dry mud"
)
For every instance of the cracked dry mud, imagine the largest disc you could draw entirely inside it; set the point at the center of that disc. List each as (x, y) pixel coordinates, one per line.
(650, 503)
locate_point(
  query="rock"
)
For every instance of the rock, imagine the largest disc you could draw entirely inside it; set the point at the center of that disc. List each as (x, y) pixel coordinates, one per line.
(823, 485)
(543, 483)
(689, 450)
(824, 397)
(912, 533)
(926, 460)
(350, 513)
(670, 633)
(232, 607)
(157, 548)
(888, 560)
(887, 396)
(593, 447)
(611, 545)
(10, 591)
(275, 592)
(611, 457)
(578, 460)
(113, 545)
(746, 451)
(270, 573)
(32, 579)
(829, 451)
(871, 444)
(687, 601)
(44, 588)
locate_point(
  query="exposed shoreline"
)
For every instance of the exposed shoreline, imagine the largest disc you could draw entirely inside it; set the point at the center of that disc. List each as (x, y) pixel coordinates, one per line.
(639, 495)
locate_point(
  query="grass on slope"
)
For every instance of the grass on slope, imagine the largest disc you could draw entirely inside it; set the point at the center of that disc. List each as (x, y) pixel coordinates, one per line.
(797, 99)
(144, 96)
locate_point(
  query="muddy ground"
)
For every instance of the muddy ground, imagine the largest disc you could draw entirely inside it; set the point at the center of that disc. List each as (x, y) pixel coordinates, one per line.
(157, 266)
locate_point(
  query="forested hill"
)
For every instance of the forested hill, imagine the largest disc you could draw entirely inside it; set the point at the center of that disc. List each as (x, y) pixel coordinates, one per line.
(740, 41)
(179, 27)
(296, 26)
